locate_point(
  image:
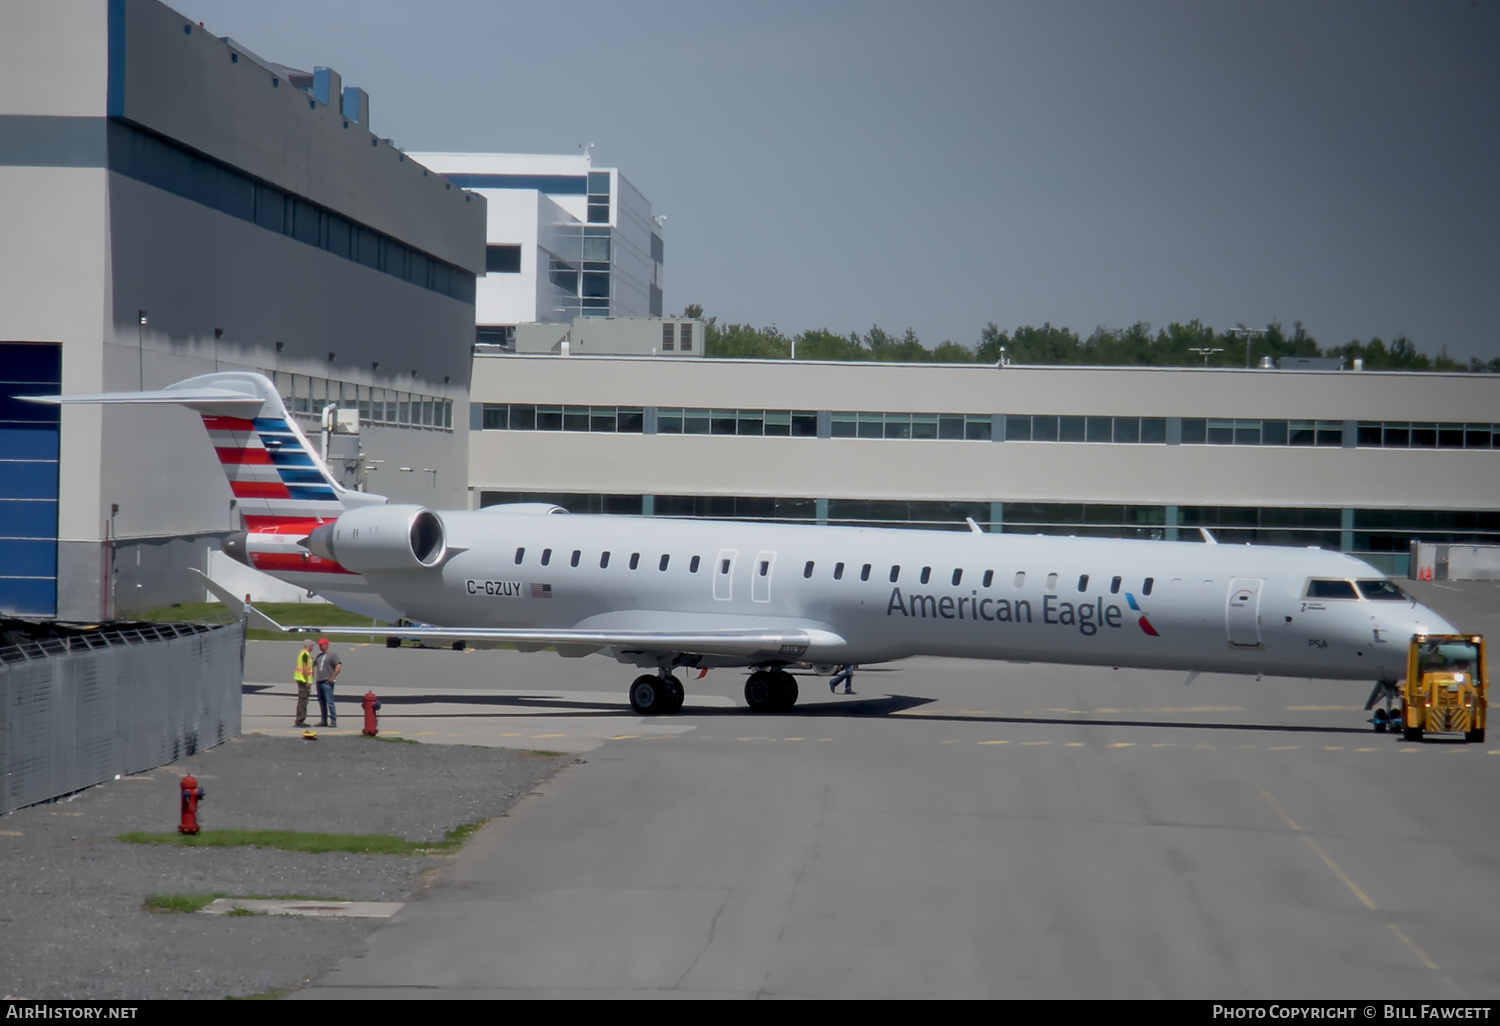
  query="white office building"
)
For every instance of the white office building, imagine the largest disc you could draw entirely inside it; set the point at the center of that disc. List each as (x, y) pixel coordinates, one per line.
(564, 239)
(1356, 461)
(174, 204)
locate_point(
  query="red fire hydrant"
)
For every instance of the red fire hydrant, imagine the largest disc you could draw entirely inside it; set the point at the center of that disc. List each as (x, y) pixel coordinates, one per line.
(192, 794)
(371, 704)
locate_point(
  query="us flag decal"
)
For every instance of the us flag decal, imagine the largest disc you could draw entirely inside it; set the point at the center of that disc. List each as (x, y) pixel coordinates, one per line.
(541, 591)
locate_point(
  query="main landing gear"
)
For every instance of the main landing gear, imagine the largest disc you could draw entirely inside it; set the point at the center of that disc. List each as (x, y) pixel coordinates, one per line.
(772, 690)
(656, 694)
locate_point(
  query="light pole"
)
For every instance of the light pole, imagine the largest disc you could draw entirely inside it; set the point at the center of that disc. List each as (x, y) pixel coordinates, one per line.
(1247, 334)
(140, 344)
(1207, 351)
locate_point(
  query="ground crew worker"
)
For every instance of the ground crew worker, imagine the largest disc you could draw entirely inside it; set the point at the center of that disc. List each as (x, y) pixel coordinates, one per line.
(326, 667)
(304, 680)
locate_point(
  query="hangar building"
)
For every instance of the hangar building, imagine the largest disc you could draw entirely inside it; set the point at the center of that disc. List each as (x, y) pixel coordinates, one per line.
(175, 204)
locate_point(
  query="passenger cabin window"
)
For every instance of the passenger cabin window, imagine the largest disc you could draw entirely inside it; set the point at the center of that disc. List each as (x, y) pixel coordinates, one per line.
(520, 555)
(1020, 578)
(864, 572)
(635, 560)
(1114, 586)
(1381, 591)
(1083, 582)
(989, 578)
(958, 576)
(1330, 590)
(765, 567)
(546, 556)
(724, 566)
(693, 565)
(1052, 582)
(663, 564)
(1146, 585)
(895, 573)
(808, 569)
(576, 556)
(838, 571)
(926, 574)
(603, 560)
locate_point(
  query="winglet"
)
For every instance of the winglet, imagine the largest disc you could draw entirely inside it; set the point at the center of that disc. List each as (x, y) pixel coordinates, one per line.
(973, 527)
(1210, 539)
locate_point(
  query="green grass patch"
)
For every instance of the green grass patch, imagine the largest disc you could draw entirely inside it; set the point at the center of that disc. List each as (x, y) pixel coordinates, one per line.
(294, 840)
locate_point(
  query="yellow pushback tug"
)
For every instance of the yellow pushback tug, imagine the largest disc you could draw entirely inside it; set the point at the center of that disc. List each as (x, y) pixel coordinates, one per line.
(1446, 687)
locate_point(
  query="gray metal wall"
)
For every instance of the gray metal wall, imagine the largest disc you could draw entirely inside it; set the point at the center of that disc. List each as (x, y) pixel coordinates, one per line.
(77, 711)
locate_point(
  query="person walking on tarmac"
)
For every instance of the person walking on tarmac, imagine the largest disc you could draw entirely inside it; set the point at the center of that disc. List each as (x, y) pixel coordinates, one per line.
(326, 667)
(304, 679)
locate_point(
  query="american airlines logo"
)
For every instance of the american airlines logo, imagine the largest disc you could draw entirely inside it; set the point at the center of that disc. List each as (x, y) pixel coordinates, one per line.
(1086, 617)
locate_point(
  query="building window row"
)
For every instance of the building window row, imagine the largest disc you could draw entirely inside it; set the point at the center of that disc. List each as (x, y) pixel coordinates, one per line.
(687, 421)
(165, 165)
(528, 417)
(852, 424)
(307, 396)
(1054, 428)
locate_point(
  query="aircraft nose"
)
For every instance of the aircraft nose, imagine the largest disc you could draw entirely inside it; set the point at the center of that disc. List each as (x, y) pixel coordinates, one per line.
(1425, 620)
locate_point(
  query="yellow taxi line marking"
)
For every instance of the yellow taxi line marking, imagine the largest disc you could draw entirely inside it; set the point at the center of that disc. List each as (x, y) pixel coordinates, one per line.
(1073, 744)
(624, 737)
(1421, 955)
(1340, 874)
(1284, 748)
(1367, 749)
(1123, 744)
(1025, 743)
(1333, 748)
(794, 739)
(1165, 744)
(1403, 751)
(994, 742)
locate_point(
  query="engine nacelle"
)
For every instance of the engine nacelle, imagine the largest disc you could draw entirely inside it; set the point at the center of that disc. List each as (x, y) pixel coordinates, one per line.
(382, 538)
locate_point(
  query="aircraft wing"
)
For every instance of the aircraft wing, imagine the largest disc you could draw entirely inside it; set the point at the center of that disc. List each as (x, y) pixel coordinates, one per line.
(792, 643)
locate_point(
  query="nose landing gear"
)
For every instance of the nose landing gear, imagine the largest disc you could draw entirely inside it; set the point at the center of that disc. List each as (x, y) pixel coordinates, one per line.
(1389, 718)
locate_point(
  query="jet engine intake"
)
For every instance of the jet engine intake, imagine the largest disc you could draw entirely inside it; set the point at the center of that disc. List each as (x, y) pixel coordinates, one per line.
(382, 538)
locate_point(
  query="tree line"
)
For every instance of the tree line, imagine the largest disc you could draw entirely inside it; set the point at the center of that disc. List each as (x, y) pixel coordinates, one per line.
(1177, 345)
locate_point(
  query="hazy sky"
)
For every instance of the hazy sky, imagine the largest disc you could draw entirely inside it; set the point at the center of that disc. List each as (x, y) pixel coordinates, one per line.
(939, 165)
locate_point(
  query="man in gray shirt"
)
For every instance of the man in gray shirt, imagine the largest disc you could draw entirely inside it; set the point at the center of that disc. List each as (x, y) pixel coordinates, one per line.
(326, 667)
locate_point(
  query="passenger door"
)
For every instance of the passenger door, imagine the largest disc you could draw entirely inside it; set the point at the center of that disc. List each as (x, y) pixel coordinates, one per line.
(1242, 613)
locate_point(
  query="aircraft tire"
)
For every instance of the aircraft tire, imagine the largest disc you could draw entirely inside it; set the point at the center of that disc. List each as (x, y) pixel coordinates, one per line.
(1381, 722)
(676, 695)
(1411, 733)
(784, 690)
(392, 642)
(760, 692)
(648, 697)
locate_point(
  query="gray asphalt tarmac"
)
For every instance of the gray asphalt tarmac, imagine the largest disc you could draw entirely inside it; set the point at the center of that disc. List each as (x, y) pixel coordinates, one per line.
(964, 829)
(955, 829)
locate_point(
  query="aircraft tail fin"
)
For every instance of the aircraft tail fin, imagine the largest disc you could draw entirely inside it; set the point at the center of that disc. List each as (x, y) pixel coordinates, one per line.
(274, 472)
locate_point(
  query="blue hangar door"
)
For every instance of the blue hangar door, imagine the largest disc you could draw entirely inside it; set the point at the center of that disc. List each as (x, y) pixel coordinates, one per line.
(28, 478)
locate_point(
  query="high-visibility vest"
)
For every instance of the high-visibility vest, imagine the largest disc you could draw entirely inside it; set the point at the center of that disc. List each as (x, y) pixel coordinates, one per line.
(304, 667)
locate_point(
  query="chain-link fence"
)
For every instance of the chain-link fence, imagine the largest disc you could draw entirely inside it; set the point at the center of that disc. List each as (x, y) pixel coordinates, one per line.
(80, 708)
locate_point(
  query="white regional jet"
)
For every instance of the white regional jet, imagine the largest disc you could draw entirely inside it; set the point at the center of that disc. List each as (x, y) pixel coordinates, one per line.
(661, 594)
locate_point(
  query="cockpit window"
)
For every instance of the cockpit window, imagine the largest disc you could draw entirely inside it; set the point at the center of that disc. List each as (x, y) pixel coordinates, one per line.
(1381, 591)
(1330, 590)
